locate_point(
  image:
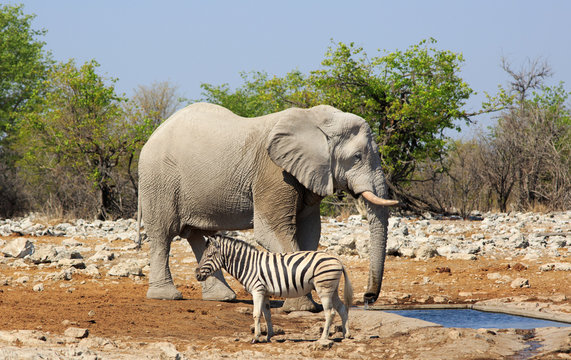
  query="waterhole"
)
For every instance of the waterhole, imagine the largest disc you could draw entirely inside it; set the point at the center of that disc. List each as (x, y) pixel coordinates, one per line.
(475, 319)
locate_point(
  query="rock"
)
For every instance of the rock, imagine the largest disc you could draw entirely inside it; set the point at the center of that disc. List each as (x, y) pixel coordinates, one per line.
(18, 248)
(393, 246)
(76, 263)
(65, 274)
(102, 255)
(461, 257)
(38, 287)
(407, 252)
(494, 276)
(556, 267)
(45, 254)
(75, 332)
(440, 299)
(22, 279)
(92, 270)
(519, 283)
(167, 350)
(519, 241)
(425, 252)
(127, 268)
(447, 250)
(321, 344)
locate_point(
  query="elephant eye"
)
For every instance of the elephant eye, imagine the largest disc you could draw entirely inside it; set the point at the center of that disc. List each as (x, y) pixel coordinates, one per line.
(358, 156)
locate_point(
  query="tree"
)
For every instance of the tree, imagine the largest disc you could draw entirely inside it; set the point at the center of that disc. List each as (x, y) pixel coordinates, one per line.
(23, 62)
(23, 65)
(75, 126)
(533, 135)
(261, 95)
(156, 102)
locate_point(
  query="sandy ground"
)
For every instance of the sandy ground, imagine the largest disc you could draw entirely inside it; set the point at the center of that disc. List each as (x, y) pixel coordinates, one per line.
(122, 323)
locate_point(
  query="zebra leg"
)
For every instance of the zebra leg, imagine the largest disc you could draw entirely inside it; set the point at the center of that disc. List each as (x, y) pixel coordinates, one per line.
(326, 301)
(343, 313)
(215, 287)
(268, 316)
(258, 306)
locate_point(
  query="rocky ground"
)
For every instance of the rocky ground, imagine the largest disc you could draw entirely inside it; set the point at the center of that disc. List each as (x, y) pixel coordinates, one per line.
(76, 290)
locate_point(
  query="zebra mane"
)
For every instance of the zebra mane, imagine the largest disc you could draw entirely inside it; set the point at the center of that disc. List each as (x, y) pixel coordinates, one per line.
(236, 243)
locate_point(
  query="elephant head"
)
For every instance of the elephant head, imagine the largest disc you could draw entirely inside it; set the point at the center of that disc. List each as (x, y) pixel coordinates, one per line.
(329, 150)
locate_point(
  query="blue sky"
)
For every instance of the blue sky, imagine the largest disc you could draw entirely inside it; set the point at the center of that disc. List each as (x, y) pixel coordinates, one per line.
(193, 42)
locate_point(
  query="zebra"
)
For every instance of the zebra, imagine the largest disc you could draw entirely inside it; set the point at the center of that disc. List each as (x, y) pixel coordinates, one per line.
(266, 274)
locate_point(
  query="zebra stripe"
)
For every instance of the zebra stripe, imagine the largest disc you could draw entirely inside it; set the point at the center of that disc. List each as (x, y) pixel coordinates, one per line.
(287, 275)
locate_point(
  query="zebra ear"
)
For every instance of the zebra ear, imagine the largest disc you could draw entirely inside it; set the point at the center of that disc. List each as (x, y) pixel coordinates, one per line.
(206, 240)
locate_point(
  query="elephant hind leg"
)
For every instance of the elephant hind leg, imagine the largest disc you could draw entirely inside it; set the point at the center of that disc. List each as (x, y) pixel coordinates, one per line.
(161, 285)
(214, 288)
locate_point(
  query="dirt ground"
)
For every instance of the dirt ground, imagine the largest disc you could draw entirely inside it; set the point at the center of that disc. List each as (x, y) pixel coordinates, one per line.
(117, 309)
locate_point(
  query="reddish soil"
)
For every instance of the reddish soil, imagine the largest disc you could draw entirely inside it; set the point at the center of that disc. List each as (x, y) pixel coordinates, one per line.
(117, 307)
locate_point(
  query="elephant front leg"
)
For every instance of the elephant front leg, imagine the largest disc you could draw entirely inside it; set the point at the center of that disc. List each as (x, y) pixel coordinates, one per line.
(308, 231)
(161, 285)
(214, 288)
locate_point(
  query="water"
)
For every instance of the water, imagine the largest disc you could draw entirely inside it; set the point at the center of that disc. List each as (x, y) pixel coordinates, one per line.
(468, 318)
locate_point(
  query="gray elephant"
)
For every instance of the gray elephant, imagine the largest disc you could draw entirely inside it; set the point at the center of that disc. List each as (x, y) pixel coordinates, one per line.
(206, 169)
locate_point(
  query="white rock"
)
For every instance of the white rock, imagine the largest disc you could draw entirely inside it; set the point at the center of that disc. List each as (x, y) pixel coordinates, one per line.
(447, 250)
(38, 287)
(425, 252)
(102, 255)
(18, 248)
(519, 283)
(167, 350)
(127, 268)
(75, 332)
(556, 267)
(45, 254)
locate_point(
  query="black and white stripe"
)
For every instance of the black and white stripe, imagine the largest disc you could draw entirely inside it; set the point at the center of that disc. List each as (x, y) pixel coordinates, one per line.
(265, 274)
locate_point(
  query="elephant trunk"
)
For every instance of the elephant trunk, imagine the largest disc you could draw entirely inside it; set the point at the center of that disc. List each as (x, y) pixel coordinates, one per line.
(378, 216)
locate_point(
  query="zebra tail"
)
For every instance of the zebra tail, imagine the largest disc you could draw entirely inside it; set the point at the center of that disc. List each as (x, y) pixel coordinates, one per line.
(347, 290)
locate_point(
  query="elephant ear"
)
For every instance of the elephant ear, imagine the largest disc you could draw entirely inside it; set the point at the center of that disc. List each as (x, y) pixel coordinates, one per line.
(300, 147)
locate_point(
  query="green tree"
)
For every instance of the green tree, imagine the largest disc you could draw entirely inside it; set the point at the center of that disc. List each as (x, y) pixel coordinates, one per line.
(23, 62)
(76, 125)
(261, 94)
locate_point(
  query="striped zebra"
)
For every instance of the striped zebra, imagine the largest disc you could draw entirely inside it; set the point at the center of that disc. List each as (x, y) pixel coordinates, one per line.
(266, 274)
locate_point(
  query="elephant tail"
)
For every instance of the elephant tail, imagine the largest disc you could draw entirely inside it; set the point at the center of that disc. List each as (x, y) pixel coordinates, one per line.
(347, 290)
(139, 215)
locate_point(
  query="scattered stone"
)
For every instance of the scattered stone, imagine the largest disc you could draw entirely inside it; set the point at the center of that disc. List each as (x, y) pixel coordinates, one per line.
(556, 267)
(426, 252)
(75, 332)
(38, 287)
(125, 269)
(167, 350)
(518, 267)
(18, 248)
(321, 344)
(519, 283)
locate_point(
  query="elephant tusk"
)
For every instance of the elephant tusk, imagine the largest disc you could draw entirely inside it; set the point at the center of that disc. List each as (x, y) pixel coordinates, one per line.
(374, 199)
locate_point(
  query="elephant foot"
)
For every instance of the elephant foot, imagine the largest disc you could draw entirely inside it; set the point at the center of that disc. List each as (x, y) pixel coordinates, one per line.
(165, 292)
(214, 290)
(304, 303)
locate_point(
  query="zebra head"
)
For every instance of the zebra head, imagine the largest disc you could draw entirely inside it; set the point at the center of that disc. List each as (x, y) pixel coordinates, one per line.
(211, 259)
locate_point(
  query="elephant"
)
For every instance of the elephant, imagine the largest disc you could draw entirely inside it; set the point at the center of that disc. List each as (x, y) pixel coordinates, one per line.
(206, 169)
